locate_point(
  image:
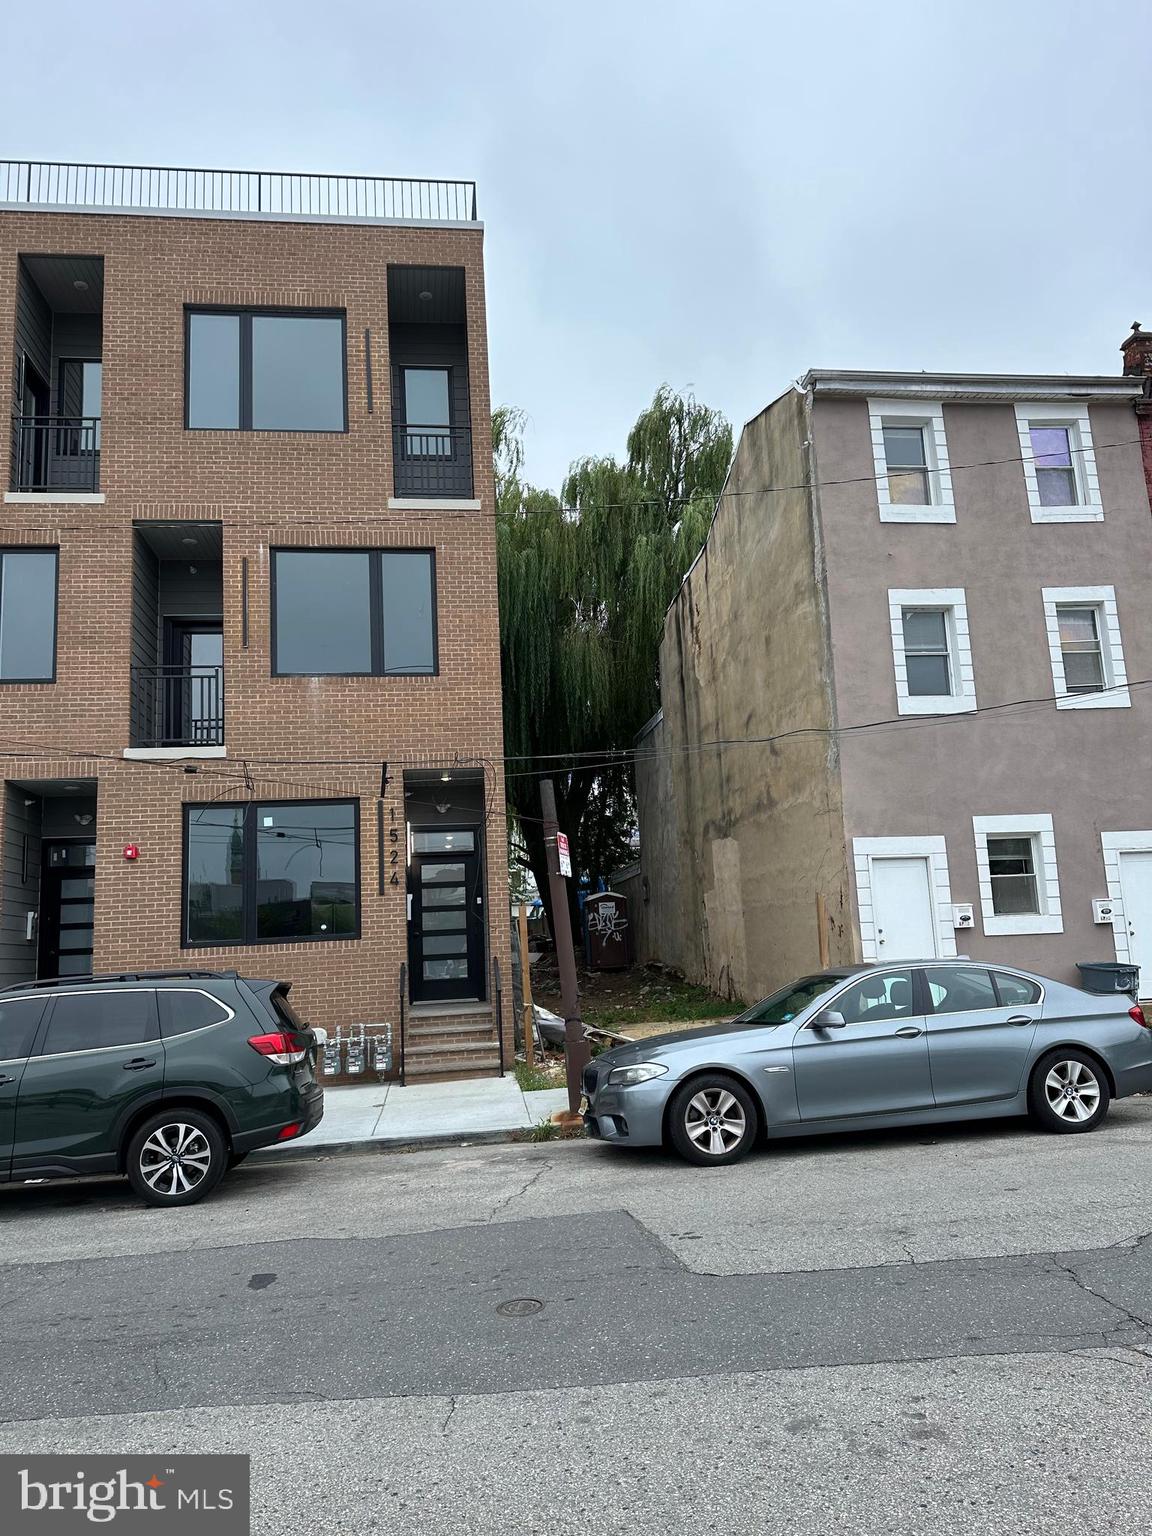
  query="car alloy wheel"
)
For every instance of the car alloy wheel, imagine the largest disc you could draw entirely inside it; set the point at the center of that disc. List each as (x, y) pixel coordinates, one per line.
(715, 1121)
(175, 1159)
(1072, 1090)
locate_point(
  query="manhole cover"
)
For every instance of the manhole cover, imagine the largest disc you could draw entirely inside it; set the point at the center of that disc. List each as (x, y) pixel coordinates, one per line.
(520, 1306)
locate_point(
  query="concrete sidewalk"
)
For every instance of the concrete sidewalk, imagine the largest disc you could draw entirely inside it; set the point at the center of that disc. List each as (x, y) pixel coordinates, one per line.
(385, 1112)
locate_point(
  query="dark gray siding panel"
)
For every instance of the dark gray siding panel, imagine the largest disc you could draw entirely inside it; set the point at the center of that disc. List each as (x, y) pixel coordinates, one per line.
(19, 855)
(431, 346)
(190, 592)
(33, 328)
(145, 623)
(73, 336)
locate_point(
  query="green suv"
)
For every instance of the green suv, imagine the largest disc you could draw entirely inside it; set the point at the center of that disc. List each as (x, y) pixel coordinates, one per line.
(169, 1077)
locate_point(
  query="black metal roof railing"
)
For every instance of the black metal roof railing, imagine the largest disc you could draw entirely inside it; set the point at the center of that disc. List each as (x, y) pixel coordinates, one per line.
(173, 189)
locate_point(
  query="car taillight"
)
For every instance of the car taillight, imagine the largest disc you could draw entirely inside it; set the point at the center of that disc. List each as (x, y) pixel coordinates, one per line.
(285, 1050)
(289, 1131)
(1137, 1013)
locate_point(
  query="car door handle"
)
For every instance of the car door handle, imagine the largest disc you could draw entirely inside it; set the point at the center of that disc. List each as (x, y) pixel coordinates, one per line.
(5, 1078)
(909, 1032)
(138, 1063)
(1020, 1018)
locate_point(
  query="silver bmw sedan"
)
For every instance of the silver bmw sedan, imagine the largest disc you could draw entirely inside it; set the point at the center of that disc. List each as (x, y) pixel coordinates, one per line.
(911, 1044)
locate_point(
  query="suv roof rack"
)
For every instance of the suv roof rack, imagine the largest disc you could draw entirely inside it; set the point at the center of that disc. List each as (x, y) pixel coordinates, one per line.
(75, 981)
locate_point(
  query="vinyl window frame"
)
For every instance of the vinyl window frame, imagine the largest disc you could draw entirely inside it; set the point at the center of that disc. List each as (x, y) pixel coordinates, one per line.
(35, 549)
(1114, 694)
(1038, 828)
(929, 417)
(375, 555)
(1074, 416)
(245, 314)
(953, 601)
(248, 910)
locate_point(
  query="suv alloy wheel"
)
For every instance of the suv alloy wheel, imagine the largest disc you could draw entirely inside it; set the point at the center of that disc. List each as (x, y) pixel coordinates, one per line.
(176, 1157)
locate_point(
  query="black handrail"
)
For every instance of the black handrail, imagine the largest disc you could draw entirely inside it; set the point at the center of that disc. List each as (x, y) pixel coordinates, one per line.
(432, 460)
(498, 996)
(403, 1003)
(177, 706)
(187, 189)
(56, 453)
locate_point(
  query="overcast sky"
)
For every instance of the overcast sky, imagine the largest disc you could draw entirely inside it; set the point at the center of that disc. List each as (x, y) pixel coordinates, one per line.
(717, 196)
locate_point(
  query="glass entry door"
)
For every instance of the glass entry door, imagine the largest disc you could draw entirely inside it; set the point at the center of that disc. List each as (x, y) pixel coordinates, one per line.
(67, 908)
(446, 921)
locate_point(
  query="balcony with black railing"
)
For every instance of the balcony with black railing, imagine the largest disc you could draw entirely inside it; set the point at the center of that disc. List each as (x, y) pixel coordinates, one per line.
(239, 194)
(56, 453)
(177, 706)
(432, 461)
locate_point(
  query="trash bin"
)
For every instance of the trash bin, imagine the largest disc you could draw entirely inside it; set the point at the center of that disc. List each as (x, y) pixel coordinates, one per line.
(1105, 976)
(608, 933)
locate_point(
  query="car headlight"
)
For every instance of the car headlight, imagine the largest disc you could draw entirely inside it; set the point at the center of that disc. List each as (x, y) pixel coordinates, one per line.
(643, 1072)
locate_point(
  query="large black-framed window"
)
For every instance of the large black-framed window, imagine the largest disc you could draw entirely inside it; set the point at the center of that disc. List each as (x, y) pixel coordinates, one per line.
(265, 370)
(271, 872)
(354, 613)
(29, 584)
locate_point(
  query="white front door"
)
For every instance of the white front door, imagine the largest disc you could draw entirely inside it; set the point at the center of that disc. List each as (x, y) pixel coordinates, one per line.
(1136, 890)
(903, 908)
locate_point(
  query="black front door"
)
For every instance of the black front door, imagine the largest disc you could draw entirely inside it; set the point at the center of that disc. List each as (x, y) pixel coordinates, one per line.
(446, 926)
(67, 907)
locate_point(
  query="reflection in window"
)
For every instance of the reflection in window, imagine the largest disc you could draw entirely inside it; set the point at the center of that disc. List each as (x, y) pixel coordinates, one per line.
(27, 615)
(354, 612)
(261, 873)
(907, 464)
(427, 405)
(266, 372)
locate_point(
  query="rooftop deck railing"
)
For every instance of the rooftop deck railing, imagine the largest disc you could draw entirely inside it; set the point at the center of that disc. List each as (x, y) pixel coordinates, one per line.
(173, 189)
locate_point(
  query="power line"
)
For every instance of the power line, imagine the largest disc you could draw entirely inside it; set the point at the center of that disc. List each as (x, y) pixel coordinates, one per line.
(371, 520)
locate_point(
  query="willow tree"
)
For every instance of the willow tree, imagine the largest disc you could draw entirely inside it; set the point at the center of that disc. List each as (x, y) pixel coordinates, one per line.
(585, 580)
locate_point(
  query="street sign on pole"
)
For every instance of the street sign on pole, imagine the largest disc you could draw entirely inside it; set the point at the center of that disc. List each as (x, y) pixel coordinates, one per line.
(563, 854)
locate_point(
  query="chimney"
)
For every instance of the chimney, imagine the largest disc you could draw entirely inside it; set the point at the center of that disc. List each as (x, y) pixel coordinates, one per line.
(1136, 351)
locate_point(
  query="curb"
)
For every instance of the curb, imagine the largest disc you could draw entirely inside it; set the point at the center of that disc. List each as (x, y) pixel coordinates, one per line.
(380, 1145)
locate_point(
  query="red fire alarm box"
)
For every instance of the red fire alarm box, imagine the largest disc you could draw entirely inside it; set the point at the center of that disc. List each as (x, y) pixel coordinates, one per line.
(131, 852)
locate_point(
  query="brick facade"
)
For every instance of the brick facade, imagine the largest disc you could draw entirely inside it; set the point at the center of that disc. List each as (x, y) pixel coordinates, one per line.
(263, 489)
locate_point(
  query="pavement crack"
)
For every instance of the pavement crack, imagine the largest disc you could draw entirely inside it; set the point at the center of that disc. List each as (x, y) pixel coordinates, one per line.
(1126, 1314)
(518, 1194)
(448, 1416)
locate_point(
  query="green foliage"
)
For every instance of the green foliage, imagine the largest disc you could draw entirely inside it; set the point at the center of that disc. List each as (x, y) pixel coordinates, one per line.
(535, 1079)
(584, 584)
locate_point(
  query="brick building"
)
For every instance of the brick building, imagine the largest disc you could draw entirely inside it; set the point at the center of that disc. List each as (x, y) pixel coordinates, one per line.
(249, 650)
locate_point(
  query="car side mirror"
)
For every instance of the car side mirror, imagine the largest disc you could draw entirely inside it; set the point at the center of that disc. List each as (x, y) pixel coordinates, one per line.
(829, 1019)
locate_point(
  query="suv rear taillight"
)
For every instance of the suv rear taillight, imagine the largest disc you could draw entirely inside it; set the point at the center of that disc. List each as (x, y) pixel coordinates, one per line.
(284, 1049)
(1137, 1013)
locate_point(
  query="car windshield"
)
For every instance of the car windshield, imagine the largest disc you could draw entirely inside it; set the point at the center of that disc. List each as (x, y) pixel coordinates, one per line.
(783, 1006)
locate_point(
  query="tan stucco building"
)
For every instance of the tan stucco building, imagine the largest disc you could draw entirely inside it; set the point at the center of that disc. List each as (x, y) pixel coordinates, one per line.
(905, 698)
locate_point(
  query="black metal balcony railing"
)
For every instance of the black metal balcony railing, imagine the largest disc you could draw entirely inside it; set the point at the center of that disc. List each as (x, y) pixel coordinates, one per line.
(56, 453)
(175, 706)
(164, 189)
(432, 461)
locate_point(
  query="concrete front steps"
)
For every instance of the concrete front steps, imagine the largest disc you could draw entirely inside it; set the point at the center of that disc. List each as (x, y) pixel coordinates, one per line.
(450, 1043)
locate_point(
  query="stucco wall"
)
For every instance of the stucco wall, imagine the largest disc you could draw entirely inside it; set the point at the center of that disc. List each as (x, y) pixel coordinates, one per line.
(736, 842)
(1088, 768)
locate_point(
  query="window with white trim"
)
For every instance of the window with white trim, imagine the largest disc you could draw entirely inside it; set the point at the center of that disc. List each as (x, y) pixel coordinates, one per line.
(1059, 462)
(910, 453)
(1019, 881)
(931, 651)
(1083, 626)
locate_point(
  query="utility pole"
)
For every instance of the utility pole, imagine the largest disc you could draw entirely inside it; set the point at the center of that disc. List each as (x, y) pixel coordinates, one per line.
(526, 987)
(577, 1054)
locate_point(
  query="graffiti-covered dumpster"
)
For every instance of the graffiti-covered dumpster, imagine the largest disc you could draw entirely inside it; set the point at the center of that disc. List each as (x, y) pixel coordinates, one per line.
(607, 931)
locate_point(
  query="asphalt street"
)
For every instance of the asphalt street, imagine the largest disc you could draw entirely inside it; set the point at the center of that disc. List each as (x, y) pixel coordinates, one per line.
(930, 1332)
